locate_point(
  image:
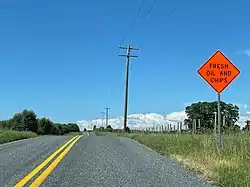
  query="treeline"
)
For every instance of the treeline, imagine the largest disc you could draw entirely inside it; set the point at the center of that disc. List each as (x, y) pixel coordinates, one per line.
(27, 121)
(203, 117)
(109, 129)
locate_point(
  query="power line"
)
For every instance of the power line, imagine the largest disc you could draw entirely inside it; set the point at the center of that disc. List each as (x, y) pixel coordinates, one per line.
(144, 19)
(119, 98)
(125, 37)
(133, 22)
(150, 9)
(148, 13)
(120, 92)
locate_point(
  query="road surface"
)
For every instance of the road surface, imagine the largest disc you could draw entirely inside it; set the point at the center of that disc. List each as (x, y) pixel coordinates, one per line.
(89, 161)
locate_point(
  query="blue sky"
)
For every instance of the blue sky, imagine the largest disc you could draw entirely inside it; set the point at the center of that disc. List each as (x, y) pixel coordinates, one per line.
(60, 58)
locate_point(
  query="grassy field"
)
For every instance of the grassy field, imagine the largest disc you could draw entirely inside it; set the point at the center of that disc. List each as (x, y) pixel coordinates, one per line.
(9, 136)
(74, 133)
(199, 153)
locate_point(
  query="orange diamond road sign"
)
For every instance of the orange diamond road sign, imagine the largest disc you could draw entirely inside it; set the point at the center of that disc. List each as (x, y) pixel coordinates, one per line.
(218, 71)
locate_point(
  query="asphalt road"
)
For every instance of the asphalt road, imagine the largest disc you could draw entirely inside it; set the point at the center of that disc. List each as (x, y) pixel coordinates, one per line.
(91, 161)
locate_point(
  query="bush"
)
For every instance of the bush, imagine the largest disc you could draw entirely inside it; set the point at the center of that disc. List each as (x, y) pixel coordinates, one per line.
(46, 126)
(109, 128)
(10, 136)
(28, 121)
(128, 130)
(5, 125)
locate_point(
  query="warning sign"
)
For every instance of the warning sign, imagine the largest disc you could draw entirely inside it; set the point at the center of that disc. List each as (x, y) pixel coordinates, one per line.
(218, 71)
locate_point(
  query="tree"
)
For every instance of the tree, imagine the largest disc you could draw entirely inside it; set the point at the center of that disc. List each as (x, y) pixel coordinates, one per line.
(46, 125)
(247, 127)
(55, 130)
(65, 129)
(205, 112)
(109, 128)
(101, 128)
(85, 130)
(24, 121)
(30, 120)
(59, 129)
(235, 128)
(73, 127)
(94, 127)
(5, 124)
(17, 123)
(128, 129)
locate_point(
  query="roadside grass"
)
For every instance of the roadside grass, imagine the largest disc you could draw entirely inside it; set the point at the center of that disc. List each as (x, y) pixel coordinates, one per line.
(199, 153)
(9, 136)
(74, 133)
(100, 133)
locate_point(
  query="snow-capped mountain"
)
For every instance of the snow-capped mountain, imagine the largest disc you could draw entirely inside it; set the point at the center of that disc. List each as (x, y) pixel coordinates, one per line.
(143, 121)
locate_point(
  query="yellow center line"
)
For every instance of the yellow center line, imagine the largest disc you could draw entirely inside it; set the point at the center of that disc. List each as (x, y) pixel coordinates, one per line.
(42, 165)
(52, 166)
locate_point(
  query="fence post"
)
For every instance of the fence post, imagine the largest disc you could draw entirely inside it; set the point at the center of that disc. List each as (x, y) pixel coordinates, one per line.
(180, 127)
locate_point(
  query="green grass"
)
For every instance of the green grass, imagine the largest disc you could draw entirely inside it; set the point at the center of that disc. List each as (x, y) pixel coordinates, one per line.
(9, 136)
(100, 133)
(74, 133)
(199, 153)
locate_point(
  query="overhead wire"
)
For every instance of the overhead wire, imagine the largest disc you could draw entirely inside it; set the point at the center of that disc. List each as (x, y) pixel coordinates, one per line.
(147, 15)
(132, 24)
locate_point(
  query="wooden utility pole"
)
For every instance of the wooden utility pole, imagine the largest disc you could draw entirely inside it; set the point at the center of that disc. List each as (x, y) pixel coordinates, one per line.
(107, 116)
(102, 117)
(127, 55)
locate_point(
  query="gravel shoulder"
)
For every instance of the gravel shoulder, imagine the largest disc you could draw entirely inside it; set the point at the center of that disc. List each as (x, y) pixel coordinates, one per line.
(105, 161)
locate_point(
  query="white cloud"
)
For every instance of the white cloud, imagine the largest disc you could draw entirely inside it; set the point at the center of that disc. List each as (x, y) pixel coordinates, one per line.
(242, 119)
(245, 52)
(143, 121)
(179, 116)
(138, 121)
(84, 124)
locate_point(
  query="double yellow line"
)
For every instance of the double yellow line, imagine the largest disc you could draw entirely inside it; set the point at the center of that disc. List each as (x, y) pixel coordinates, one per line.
(39, 180)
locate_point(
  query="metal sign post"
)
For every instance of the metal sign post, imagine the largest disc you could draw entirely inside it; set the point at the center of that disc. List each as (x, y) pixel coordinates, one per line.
(218, 72)
(219, 126)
